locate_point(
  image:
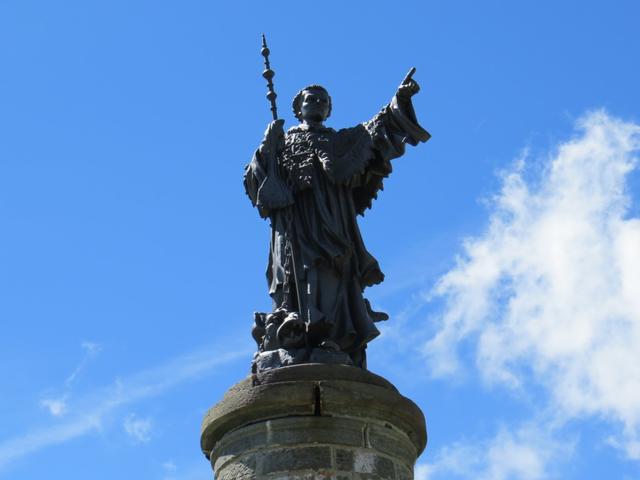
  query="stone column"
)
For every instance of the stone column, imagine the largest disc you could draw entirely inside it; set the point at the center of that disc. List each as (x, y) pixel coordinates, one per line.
(313, 422)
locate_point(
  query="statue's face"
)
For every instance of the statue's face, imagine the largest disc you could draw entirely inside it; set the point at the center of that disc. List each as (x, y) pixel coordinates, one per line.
(314, 106)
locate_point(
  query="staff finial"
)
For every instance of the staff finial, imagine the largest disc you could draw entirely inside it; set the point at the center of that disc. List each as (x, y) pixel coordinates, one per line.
(268, 75)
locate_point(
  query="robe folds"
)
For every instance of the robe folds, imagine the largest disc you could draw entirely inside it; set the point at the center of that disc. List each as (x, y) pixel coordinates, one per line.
(312, 184)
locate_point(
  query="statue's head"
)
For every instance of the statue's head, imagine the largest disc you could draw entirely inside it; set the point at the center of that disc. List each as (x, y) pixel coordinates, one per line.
(312, 104)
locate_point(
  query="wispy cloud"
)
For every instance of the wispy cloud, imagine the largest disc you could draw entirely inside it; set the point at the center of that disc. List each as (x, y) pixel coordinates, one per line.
(169, 466)
(36, 440)
(196, 471)
(549, 294)
(58, 405)
(92, 409)
(527, 453)
(91, 349)
(139, 429)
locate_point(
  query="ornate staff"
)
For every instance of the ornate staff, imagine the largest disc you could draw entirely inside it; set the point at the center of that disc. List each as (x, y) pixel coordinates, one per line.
(275, 188)
(268, 75)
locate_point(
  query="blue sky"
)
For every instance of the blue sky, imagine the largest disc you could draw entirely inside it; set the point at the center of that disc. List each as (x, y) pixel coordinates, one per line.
(131, 260)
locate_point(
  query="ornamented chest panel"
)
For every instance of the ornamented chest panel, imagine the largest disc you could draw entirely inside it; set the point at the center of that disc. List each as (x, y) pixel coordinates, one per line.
(303, 153)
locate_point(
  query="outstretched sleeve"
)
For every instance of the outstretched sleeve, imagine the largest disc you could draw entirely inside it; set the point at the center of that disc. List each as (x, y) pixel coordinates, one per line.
(393, 127)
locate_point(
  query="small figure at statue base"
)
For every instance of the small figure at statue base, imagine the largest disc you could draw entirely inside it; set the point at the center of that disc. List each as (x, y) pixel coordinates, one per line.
(282, 341)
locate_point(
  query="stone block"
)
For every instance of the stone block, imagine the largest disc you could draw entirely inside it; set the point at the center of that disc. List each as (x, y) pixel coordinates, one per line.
(238, 471)
(344, 460)
(296, 458)
(344, 398)
(384, 467)
(314, 422)
(392, 442)
(403, 472)
(318, 372)
(245, 404)
(309, 430)
(301, 476)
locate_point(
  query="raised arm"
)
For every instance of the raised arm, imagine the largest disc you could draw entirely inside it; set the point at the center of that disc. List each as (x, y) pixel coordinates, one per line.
(401, 108)
(388, 133)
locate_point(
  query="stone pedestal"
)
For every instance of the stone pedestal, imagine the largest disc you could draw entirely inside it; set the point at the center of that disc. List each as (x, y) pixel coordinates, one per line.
(313, 422)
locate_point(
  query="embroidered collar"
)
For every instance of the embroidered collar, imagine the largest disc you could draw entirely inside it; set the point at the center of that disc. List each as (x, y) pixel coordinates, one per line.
(304, 128)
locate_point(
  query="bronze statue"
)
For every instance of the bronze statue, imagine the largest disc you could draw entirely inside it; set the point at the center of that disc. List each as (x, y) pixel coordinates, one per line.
(311, 182)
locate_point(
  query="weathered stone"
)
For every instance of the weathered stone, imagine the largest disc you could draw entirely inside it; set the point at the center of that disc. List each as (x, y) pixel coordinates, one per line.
(242, 440)
(404, 473)
(370, 401)
(318, 372)
(384, 467)
(238, 471)
(316, 429)
(244, 404)
(298, 430)
(364, 462)
(391, 442)
(345, 424)
(344, 460)
(300, 458)
(315, 475)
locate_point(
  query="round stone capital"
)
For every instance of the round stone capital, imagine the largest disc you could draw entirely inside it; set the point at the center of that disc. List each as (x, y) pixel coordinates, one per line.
(343, 409)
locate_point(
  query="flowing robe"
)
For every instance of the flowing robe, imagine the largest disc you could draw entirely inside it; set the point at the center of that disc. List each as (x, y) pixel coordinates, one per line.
(319, 180)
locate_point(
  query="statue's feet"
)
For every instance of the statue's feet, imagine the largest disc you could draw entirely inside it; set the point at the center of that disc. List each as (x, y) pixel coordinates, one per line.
(329, 352)
(329, 345)
(280, 357)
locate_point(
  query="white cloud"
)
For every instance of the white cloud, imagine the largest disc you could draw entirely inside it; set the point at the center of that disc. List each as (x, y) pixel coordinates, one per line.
(169, 466)
(57, 407)
(139, 429)
(523, 454)
(194, 471)
(91, 349)
(550, 292)
(36, 440)
(91, 409)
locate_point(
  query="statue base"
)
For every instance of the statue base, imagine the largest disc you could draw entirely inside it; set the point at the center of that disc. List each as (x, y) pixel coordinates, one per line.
(313, 422)
(281, 357)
